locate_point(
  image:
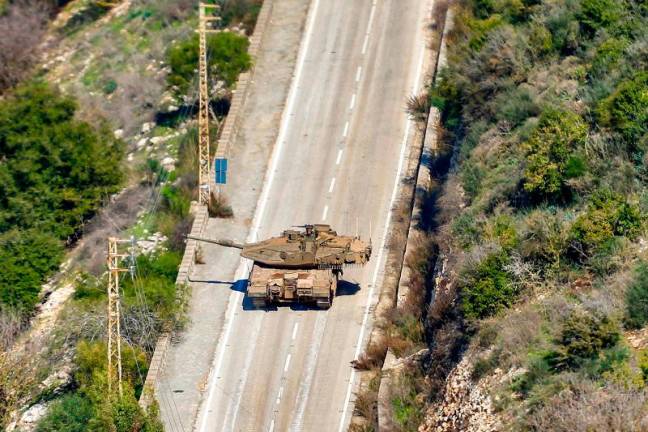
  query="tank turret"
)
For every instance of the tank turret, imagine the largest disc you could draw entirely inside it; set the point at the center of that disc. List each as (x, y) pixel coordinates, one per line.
(314, 247)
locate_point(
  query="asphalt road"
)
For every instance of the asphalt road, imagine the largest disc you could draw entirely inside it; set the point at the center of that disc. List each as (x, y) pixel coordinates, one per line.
(337, 160)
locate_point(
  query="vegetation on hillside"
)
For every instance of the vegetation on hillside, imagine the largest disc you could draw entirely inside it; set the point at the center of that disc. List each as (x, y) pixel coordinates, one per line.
(227, 57)
(543, 218)
(55, 173)
(64, 169)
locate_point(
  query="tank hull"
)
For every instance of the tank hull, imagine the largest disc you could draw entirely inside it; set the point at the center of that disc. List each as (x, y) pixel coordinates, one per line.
(269, 286)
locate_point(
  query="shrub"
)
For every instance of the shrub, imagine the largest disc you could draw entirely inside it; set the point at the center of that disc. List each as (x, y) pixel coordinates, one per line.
(549, 150)
(626, 111)
(545, 238)
(28, 257)
(55, 173)
(489, 289)
(241, 11)
(466, 229)
(636, 300)
(69, 414)
(608, 55)
(584, 336)
(516, 106)
(597, 14)
(227, 58)
(607, 215)
(472, 176)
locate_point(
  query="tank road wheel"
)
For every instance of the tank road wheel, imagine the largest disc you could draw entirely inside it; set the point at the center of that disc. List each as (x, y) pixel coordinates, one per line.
(325, 303)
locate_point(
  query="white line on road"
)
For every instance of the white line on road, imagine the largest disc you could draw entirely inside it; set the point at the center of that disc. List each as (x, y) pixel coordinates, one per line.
(324, 213)
(346, 130)
(331, 186)
(358, 73)
(236, 297)
(287, 364)
(294, 333)
(365, 44)
(271, 426)
(278, 401)
(383, 242)
(353, 100)
(339, 157)
(309, 372)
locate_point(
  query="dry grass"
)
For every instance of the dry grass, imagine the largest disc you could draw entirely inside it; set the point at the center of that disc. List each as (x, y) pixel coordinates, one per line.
(17, 379)
(22, 28)
(219, 207)
(586, 407)
(373, 356)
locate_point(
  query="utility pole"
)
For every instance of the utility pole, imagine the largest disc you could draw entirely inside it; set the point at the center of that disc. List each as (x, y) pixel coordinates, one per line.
(114, 332)
(204, 165)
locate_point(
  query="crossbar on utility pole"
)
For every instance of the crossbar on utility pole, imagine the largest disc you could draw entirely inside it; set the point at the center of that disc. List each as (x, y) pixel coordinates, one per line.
(204, 166)
(114, 331)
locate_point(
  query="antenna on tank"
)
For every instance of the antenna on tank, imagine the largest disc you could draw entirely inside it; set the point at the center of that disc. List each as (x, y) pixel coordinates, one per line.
(357, 228)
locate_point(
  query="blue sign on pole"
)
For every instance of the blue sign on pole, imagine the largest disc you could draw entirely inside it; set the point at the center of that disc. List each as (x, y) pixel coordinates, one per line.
(220, 168)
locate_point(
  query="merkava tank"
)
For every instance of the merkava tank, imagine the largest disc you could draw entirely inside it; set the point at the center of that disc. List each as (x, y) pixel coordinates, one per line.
(299, 266)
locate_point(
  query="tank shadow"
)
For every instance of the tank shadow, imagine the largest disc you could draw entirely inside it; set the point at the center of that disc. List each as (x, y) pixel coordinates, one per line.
(346, 288)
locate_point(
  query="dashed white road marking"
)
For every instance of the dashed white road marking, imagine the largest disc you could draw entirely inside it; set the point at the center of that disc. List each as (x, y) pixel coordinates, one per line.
(324, 213)
(278, 401)
(358, 73)
(374, 281)
(365, 44)
(331, 186)
(339, 157)
(346, 130)
(287, 364)
(236, 297)
(294, 333)
(353, 101)
(271, 426)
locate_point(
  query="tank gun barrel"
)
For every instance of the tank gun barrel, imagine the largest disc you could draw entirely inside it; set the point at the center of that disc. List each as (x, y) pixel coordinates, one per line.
(225, 243)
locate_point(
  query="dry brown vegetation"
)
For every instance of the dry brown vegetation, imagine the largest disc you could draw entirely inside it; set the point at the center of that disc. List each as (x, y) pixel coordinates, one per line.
(22, 26)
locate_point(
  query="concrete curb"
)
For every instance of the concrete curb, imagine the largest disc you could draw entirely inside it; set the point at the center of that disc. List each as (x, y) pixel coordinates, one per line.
(426, 145)
(201, 215)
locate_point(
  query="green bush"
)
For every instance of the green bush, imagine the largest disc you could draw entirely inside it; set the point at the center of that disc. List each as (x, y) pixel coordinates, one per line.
(636, 300)
(608, 55)
(69, 414)
(155, 280)
(55, 172)
(28, 257)
(516, 106)
(607, 215)
(95, 409)
(597, 14)
(466, 230)
(240, 11)
(227, 58)
(626, 111)
(472, 176)
(489, 289)
(549, 150)
(584, 336)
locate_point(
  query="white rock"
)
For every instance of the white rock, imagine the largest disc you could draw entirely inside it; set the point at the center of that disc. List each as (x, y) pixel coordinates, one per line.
(172, 108)
(130, 156)
(119, 133)
(168, 163)
(141, 143)
(146, 127)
